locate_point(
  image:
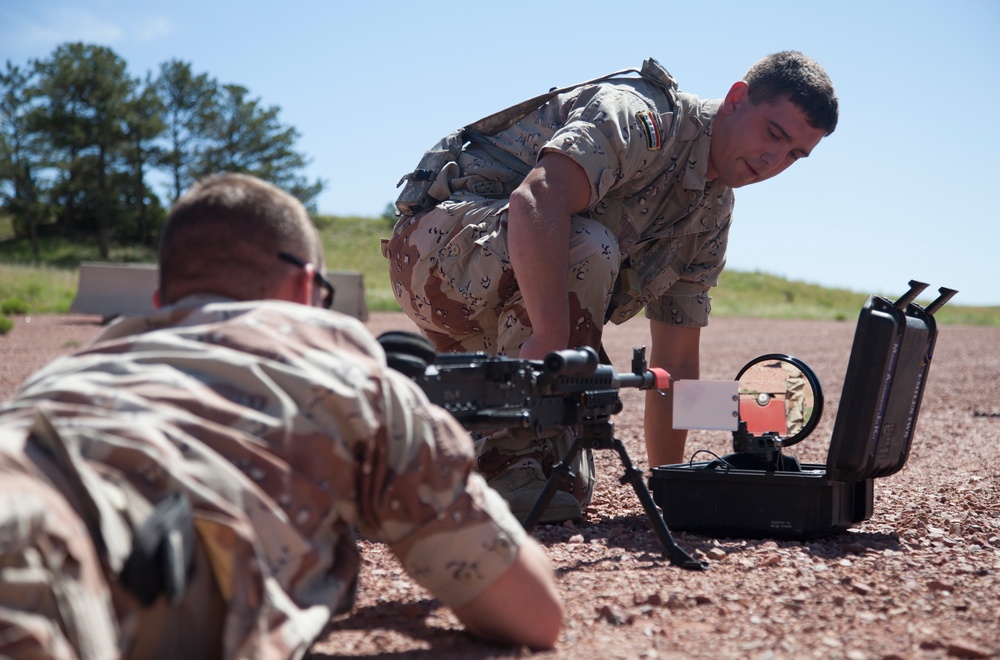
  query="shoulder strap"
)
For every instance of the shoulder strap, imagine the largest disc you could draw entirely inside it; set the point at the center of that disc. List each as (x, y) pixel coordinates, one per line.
(498, 121)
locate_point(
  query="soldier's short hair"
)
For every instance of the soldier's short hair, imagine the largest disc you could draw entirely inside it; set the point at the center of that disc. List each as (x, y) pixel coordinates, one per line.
(800, 79)
(227, 231)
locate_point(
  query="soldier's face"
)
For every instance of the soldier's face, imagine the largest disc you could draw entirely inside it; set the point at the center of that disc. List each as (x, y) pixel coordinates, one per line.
(752, 143)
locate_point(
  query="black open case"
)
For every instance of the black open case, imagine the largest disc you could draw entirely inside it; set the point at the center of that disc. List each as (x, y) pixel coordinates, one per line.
(762, 491)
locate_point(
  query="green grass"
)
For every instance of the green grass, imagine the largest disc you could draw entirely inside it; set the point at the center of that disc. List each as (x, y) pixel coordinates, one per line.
(760, 295)
(352, 243)
(41, 289)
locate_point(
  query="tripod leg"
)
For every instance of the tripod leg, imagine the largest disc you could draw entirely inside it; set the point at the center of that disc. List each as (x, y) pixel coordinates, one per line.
(560, 476)
(673, 551)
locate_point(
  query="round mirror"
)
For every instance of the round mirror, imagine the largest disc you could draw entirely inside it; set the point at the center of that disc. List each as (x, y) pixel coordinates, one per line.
(779, 395)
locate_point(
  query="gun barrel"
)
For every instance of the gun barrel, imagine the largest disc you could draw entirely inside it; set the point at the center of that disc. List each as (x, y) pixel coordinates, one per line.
(649, 379)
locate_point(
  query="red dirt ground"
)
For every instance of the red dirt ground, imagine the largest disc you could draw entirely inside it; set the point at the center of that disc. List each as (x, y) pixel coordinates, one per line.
(919, 579)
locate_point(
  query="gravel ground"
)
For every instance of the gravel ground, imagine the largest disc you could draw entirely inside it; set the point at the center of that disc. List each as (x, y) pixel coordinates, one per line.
(919, 579)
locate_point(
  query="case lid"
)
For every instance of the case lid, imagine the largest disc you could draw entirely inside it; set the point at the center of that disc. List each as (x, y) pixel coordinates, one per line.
(886, 374)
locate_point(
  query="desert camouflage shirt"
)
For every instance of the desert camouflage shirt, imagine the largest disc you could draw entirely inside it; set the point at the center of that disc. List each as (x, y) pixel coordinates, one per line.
(286, 430)
(644, 146)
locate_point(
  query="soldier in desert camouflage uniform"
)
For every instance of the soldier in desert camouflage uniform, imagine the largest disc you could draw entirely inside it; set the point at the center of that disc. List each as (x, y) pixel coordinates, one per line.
(278, 428)
(608, 198)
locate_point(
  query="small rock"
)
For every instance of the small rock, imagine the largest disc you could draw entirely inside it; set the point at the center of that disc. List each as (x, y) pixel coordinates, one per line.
(676, 603)
(966, 649)
(614, 615)
(861, 588)
(650, 599)
(938, 585)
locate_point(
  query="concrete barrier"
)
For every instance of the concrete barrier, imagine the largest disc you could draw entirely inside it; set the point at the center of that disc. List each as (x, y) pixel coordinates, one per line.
(349, 293)
(115, 289)
(112, 289)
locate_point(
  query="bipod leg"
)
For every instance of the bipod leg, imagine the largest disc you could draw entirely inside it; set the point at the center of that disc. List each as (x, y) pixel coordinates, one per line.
(673, 551)
(560, 476)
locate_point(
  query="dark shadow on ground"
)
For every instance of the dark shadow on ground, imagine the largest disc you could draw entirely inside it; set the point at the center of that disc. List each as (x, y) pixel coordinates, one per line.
(409, 619)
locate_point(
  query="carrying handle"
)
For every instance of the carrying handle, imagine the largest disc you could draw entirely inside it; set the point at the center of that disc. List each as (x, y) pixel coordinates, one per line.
(911, 295)
(946, 295)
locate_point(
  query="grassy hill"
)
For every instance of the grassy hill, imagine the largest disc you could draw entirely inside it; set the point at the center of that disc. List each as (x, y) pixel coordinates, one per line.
(352, 244)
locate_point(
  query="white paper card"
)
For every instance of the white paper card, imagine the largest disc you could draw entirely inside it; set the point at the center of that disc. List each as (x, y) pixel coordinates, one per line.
(706, 404)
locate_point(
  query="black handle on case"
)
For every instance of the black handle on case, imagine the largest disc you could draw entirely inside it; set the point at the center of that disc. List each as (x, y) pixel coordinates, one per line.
(946, 295)
(911, 295)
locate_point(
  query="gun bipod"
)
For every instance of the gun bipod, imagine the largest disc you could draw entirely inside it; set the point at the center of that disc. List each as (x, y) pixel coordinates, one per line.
(603, 438)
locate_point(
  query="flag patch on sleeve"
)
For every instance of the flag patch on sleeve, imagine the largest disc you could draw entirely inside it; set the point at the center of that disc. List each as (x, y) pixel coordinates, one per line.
(651, 129)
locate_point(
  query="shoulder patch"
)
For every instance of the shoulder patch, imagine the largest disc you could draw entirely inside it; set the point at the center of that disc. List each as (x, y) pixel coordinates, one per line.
(651, 128)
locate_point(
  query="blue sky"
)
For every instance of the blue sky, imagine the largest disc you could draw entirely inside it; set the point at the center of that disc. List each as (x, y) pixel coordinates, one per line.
(902, 190)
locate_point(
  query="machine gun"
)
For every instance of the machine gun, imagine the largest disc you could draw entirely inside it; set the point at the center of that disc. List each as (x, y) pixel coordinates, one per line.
(568, 388)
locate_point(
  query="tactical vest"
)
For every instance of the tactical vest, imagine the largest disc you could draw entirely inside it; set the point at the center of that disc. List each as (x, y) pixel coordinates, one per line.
(420, 192)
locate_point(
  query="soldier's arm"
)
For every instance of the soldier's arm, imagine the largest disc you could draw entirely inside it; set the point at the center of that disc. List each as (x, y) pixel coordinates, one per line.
(676, 349)
(538, 242)
(521, 607)
(454, 535)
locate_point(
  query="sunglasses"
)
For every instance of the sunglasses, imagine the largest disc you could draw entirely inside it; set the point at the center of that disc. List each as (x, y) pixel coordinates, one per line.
(318, 279)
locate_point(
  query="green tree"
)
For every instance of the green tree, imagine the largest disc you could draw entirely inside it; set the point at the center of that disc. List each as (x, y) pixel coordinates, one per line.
(79, 138)
(190, 108)
(249, 138)
(88, 92)
(20, 155)
(144, 124)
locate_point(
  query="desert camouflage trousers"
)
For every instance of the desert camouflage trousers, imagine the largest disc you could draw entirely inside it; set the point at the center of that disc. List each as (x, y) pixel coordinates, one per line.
(450, 272)
(56, 597)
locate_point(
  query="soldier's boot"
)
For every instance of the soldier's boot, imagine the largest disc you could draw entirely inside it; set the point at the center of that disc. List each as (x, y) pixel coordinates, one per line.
(517, 464)
(581, 486)
(521, 485)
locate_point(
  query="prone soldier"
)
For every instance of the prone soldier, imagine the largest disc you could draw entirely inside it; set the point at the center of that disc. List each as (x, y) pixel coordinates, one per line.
(188, 485)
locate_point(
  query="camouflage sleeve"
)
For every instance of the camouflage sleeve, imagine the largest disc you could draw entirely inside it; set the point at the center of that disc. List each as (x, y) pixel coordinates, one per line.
(453, 534)
(605, 133)
(687, 302)
(54, 601)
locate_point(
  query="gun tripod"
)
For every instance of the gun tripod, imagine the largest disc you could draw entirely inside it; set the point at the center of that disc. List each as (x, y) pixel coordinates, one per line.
(602, 437)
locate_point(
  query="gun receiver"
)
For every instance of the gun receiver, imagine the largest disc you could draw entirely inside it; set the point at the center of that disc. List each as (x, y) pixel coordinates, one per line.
(487, 393)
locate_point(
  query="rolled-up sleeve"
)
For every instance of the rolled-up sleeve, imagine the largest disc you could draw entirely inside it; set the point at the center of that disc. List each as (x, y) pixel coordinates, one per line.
(600, 135)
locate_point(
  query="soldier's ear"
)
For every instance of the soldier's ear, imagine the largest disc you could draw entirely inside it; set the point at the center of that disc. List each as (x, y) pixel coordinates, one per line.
(297, 286)
(738, 94)
(307, 292)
